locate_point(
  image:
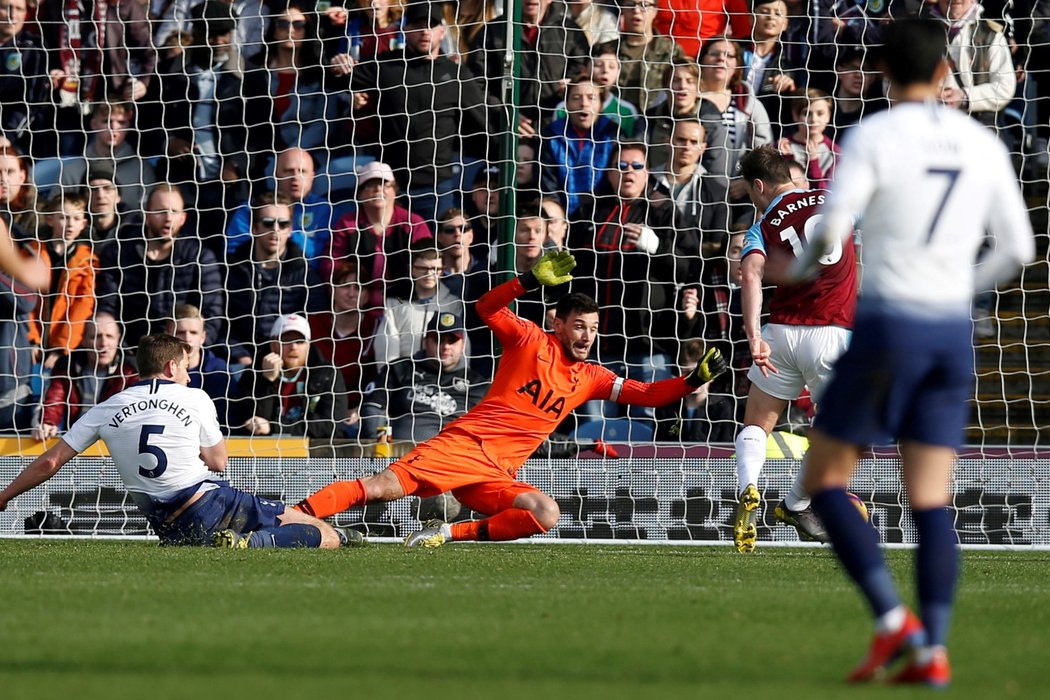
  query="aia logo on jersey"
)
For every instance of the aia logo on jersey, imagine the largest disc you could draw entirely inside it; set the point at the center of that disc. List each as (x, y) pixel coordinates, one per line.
(542, 400)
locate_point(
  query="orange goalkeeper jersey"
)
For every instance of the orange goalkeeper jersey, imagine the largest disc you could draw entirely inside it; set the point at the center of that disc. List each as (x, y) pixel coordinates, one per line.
(537, 384)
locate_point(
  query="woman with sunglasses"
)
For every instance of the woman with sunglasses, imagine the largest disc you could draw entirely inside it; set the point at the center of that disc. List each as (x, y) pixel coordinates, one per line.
(289, 72)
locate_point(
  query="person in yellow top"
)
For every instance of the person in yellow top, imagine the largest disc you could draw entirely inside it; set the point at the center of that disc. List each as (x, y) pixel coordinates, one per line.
(541, 377)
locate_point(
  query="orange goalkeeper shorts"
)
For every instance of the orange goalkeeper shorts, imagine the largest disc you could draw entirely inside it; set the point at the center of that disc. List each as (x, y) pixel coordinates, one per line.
(456, 461)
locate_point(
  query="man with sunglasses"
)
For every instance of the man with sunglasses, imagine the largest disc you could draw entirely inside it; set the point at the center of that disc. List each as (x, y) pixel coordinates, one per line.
(625, 246)
(268, 276)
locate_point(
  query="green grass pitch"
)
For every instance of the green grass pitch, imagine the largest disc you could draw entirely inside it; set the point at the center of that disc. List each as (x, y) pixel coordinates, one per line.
(87, 619)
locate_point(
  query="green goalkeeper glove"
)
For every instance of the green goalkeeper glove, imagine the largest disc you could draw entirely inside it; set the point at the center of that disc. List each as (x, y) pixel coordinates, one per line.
(552, 269)
(712, 365)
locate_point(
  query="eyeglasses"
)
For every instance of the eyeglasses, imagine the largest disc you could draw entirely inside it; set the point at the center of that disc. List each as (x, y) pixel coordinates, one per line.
(286, 24)
(456, 228)
(270, 222)
(427, 269)
(633, 165)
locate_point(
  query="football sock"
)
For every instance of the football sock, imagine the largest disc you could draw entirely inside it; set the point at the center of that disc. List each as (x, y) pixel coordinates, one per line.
(750, 455)
(511, 524)
(892, 620)
(936, 568)
(332, 499)
(465, 531)
(797, 498)
(293, 535)
(857, 546)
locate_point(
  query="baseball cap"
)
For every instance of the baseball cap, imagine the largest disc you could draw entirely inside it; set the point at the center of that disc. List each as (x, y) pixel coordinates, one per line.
(375, 171)
(446, 322)
(99, 170)
(487, 175)
(213, 17)
(424, 11)
(291, 323)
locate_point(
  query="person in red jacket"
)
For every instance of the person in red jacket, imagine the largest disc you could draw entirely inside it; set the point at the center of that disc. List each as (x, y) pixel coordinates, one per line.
(86, 377)
(690, 22)
(542, 376)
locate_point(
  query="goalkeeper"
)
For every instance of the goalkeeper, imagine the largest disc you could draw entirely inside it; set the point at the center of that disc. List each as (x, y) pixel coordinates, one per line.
(541, 377)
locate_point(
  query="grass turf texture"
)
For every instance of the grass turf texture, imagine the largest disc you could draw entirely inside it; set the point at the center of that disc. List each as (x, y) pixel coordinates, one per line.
(103, 620)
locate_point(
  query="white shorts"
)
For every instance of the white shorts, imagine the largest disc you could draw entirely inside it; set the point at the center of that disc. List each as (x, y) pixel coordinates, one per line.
(803, 356)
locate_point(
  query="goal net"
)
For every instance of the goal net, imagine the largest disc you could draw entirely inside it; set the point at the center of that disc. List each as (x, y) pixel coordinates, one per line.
(372, 167)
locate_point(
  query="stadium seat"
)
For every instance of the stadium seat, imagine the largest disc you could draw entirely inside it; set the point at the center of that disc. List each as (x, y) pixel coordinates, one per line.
(614, 430)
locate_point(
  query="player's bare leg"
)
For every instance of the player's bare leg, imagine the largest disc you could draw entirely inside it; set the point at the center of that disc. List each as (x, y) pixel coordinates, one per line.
(927, 477)
(760, 417)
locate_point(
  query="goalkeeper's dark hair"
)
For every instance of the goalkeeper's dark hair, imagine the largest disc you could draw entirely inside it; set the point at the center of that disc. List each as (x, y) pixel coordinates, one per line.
(156, 351)
(765, 163)
(912, 50)
(575, 303)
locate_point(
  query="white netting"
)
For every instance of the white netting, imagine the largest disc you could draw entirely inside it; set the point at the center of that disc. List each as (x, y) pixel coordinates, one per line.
(206, 105)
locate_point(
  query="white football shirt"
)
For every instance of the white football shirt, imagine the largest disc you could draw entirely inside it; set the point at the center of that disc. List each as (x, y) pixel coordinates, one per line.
(154, 431)
(926, 183)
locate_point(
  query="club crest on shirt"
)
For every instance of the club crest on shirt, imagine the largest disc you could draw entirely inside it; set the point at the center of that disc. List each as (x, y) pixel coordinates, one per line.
(14, 61)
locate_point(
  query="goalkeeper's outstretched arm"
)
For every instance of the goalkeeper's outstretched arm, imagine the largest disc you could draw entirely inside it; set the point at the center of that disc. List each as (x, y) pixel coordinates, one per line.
(552, 269)
(661, 393)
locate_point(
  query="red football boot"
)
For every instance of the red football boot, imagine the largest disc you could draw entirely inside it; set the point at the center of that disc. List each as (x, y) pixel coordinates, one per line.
(937, 673)
(886, 647)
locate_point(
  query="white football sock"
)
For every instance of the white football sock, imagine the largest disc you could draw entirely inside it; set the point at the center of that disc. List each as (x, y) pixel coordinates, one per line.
(750, 455)
(797, 498)
(892, 621)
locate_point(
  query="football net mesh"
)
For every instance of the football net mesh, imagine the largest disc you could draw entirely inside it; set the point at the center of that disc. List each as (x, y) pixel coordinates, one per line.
(386, 171)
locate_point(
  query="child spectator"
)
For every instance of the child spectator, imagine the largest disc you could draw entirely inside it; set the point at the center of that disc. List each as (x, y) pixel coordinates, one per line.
(70, 301)
(809, 146)
(605, 74)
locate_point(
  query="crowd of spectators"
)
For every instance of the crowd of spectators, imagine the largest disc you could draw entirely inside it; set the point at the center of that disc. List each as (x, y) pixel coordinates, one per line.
(308, 192)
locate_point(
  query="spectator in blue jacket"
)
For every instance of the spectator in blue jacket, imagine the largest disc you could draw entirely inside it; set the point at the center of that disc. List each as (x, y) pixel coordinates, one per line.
(294, 173)
(576, 149)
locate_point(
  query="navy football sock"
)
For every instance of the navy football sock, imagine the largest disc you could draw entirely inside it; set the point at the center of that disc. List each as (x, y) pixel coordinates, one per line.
(936, 569)
(293, 535)
(857, 545)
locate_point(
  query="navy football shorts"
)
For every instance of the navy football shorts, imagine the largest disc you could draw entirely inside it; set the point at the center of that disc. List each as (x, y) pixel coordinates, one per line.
(224, 508)
(903, 378)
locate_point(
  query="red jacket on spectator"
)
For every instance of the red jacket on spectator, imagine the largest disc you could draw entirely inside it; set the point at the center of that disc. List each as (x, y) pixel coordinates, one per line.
(689, 22)
(62, 400)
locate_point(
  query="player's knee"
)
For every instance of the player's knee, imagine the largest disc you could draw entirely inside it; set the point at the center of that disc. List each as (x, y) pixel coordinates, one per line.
(383, 486)
(546, 513)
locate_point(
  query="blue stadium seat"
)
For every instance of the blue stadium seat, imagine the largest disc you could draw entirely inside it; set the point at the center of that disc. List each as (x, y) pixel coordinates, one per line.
(615, 430)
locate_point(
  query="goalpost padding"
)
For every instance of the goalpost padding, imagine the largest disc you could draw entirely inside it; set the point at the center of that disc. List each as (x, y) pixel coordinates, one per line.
(998, 501)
